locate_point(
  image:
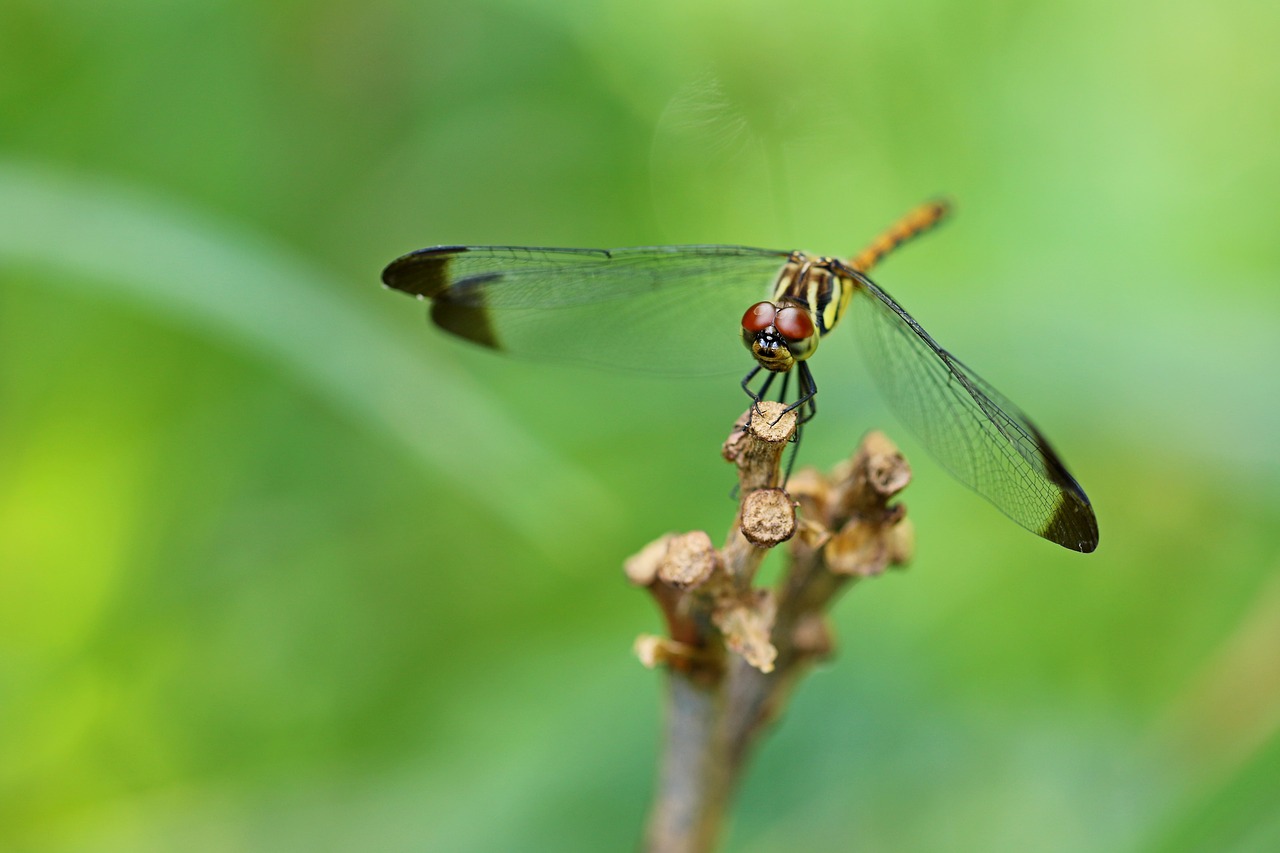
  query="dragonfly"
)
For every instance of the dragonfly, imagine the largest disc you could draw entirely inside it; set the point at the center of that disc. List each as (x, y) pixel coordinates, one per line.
(675, 310)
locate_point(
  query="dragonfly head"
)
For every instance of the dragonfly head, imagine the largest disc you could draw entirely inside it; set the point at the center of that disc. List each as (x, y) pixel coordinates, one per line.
(779, 335)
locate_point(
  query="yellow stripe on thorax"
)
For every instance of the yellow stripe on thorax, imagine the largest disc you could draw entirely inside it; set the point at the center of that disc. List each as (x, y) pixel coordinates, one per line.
(813, 284)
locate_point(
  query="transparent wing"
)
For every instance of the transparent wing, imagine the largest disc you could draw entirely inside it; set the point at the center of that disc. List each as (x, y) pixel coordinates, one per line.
(981, 437)
(669, 309)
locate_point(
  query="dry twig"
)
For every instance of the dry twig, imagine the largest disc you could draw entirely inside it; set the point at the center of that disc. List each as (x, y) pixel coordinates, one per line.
(733, 651)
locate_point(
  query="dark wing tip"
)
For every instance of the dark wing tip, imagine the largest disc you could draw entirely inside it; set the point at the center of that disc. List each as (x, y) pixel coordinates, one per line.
(1073, 525)
(421, 273)
(465, 321)
(425, 274)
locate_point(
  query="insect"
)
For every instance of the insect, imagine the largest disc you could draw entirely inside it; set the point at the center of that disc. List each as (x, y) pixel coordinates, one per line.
(672, 309)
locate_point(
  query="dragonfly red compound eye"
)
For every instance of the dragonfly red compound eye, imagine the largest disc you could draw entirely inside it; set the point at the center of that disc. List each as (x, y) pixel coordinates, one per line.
(759, 317)
(794, 323)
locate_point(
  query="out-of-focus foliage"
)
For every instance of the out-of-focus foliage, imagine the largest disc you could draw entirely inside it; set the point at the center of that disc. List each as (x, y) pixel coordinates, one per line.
(281, 568)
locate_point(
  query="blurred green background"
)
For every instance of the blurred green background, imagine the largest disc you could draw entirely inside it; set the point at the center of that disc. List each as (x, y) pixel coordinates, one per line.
(283, 568)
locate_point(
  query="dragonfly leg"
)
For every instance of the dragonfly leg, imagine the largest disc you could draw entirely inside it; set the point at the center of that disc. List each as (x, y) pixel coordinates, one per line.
(807, 408)
(746, 383)
(755, 396)
(808, 391)
(791, 459)
(764, 389)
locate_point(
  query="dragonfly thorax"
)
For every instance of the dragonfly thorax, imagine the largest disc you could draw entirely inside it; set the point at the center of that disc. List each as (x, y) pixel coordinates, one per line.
(779, 334)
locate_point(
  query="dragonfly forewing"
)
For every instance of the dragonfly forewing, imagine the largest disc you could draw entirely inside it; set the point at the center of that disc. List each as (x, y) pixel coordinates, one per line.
(651, 309)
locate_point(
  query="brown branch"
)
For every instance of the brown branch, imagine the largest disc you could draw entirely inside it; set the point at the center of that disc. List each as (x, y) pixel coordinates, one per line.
(733, 652)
